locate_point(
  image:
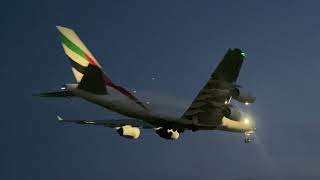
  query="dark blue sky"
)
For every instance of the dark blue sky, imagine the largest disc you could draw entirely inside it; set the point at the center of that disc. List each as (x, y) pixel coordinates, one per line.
(180, 42)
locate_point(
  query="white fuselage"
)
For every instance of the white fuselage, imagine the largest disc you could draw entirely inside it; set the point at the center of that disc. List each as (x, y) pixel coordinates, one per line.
(120, 103)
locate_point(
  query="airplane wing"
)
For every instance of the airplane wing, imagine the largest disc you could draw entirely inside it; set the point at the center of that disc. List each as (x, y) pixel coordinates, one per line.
(208, 108)
(112, 123)
(229, 68)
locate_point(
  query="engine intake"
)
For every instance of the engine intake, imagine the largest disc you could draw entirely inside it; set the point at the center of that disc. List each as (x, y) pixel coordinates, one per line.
(243, 96)
(233, 114)
(167, 133)
(129, 132)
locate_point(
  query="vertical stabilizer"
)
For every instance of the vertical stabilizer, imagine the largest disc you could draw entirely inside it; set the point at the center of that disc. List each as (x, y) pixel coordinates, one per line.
(79, 55)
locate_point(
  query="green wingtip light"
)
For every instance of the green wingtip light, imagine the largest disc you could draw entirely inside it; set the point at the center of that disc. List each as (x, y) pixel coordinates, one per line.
(243, 54)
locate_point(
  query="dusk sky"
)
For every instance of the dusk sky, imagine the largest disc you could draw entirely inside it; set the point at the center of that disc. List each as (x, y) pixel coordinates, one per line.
(179, 43)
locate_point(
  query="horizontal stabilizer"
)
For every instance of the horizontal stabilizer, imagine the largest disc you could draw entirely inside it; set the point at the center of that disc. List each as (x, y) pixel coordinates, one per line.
(55, 94)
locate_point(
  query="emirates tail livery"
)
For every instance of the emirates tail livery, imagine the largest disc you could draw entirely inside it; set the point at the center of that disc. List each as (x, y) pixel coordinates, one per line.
(210, 110)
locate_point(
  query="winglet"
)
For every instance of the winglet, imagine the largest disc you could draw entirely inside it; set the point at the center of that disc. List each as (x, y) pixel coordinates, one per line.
(59, 118)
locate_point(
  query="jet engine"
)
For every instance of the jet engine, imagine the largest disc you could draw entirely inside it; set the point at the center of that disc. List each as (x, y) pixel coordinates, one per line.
(129, 132)
(167, 133)
(233, 114)
(242, 95)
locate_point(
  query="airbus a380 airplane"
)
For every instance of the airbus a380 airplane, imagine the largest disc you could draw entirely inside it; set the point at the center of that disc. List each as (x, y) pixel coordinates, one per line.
(210, 110)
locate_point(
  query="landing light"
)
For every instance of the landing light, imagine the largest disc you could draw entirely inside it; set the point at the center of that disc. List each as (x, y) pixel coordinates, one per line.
(246, 121)
(246, 103)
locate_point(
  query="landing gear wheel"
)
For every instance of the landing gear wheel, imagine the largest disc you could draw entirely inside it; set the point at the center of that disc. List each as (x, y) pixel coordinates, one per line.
(247, 137)
(247, 140)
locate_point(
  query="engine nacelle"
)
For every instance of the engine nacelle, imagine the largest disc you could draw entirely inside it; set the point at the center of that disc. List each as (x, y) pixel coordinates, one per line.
(167, 133)
(129, 132)
(243, 96)
(233, 114)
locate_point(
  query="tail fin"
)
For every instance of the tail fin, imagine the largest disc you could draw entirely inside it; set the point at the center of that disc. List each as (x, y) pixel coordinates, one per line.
(86, 69)
(79, 55)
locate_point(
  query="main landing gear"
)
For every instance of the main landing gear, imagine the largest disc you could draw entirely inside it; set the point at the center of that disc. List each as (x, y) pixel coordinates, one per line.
(247, 136)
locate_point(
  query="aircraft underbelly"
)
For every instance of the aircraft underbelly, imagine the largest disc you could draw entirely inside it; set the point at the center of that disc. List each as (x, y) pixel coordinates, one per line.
(117, 102)
(113, 102)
